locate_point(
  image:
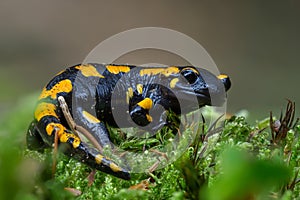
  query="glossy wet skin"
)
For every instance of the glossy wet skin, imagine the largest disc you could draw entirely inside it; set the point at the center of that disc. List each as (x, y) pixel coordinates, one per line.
(140, 95)
(181, 92)
(200, 84)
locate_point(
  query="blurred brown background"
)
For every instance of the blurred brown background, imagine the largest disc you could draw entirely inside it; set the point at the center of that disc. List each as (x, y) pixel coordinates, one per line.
(255, 42)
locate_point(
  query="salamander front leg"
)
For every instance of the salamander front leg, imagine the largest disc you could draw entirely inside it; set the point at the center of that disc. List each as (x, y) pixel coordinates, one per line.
(149, 117)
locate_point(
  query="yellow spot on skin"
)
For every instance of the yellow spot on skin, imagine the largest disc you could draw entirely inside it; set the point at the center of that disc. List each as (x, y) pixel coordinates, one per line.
(139, 88)
(114, 167)
(173, 82)
(50, 128)
(149, 118)
(62, 134)
(89, 70)
(117, 69)
(63, 137)
(192, 69)
(60, 72)
(164, 71)
(146, 104)
(76, 141)
(62, 86)
(98, 159)
(45, 109)
(222, 76)
(129, 94)
(90, 117)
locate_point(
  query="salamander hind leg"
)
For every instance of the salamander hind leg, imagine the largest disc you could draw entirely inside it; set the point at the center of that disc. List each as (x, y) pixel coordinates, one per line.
(74, 147)
(99, 138)
(34, 140)
(93, 158)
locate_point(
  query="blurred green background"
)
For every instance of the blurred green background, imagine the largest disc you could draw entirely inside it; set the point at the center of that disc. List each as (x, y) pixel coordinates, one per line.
(255, 42)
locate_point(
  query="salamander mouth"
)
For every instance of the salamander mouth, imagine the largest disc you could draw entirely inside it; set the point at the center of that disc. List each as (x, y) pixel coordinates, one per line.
(211, 94)
(191, 97)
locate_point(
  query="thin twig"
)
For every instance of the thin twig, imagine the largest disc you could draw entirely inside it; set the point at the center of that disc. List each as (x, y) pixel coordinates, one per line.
(164, 155)
(76, 129)
(54, 153)
(65, 109)
(153, 167)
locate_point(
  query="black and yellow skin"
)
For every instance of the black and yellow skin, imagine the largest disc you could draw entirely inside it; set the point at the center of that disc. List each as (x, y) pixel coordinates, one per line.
(94, 88)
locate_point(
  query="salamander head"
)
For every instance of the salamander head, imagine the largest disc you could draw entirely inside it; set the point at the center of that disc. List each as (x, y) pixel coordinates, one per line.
(183, 89)
(194, 83)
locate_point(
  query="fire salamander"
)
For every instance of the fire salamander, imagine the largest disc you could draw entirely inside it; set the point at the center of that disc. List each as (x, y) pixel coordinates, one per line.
(91, 87)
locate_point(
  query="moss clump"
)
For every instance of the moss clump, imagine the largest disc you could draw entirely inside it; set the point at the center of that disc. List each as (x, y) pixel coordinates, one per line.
(243, 162)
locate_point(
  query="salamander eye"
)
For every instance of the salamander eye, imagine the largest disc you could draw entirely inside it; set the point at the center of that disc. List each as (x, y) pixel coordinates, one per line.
(190, 75)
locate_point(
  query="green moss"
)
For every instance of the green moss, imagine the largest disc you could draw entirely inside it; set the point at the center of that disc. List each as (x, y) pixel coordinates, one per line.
(240, 163)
